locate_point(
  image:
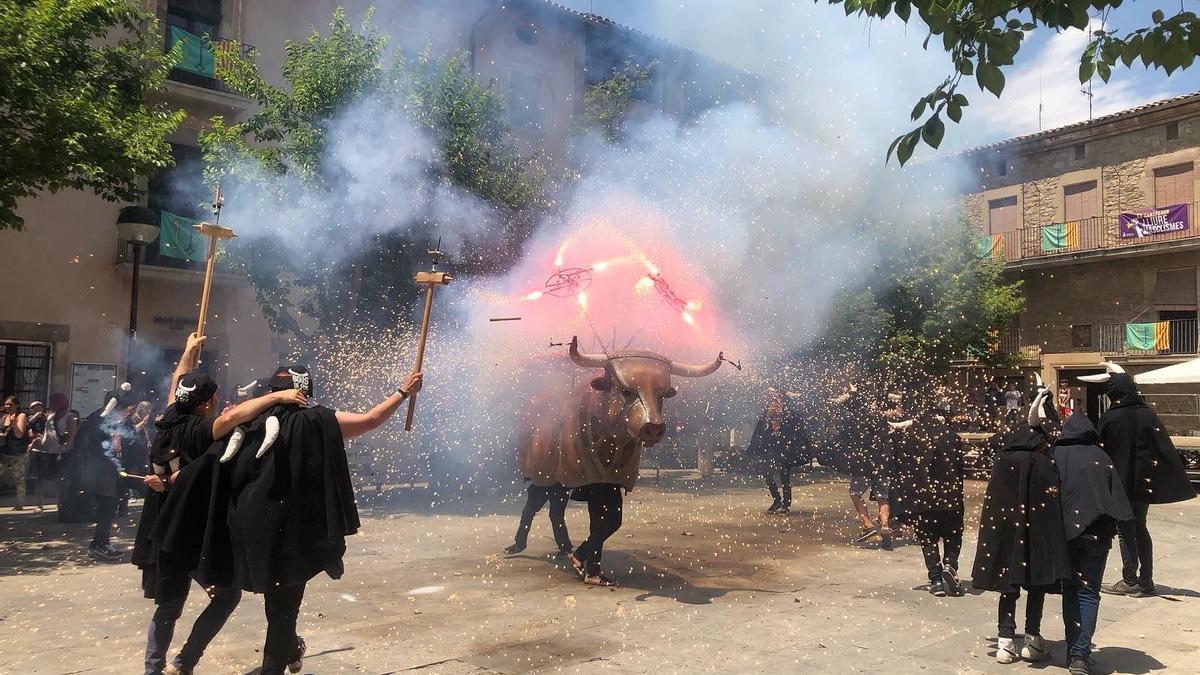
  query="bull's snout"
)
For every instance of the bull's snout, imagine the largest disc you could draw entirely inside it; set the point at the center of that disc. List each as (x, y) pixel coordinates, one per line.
(651, 433)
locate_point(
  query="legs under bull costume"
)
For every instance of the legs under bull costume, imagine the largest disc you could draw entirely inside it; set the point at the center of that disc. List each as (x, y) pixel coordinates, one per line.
(291, 504)
(591, 441)
(537, 496)
(166, 536)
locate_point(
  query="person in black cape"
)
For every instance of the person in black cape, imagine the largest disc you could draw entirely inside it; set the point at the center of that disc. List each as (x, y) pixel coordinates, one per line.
(866, 455)
(98, 475)
(933, 485)
(291, 505)
(1152, 472)
(1022, 544)
(1093, 504)
(188, 428)
(780, 443)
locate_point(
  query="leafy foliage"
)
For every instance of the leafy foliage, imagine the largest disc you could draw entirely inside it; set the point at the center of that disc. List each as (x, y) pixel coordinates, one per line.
(73, 106)
(289, 135)
(983, 37)
(606, 102)
(937, 300)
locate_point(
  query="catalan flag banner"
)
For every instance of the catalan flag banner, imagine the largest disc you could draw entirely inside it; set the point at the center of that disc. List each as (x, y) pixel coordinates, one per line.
(1063, 236)
(178, 238)
(196, 57)
(1144, 337)
(991, 246)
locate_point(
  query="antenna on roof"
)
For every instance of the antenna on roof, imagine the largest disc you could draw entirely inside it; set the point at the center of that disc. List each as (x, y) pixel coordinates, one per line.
(1088, 93)
(1040, 106)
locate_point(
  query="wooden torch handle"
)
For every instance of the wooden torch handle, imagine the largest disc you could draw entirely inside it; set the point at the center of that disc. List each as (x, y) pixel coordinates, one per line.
(208, 275)
(412, 400)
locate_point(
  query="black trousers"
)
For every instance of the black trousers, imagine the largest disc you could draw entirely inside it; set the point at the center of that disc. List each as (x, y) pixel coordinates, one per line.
(536, 497)
(604, 510)
(282, 607)
(785, 476)
(1007, 619)
(943, 526)
(106, 513)
(1137, 550)
(169, 606)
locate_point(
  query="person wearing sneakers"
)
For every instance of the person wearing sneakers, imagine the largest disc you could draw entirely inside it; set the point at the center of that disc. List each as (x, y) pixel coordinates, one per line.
(867, 458)
(1022, 544)
(935, 484)
(1094, 503)
(1150, 468)
(779, 442)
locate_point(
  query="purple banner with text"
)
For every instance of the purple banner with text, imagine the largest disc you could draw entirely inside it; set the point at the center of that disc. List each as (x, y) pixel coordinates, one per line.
(1153, 222)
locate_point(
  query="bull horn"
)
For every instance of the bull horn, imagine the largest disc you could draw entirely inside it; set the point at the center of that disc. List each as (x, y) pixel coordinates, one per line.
(900, 426)
(586, 360)
(269, 436)
(233, 445)
(1113, 368)
(1038, 379)
(684, 370)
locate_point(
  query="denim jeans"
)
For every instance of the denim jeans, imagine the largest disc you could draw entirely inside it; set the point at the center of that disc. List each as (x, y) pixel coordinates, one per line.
(1081, 593)
(168, 607)
(1137, 551)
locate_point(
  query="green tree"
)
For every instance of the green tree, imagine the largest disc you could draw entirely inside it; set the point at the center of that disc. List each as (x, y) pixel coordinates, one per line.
(983, 36)
(324, 75)
(74, 77)
(606, 102)
(935, 300)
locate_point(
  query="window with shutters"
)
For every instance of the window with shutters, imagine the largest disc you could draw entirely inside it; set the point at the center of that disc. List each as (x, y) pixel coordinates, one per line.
(1080, 151)
(1172, 131)
(1174, 185)
(1003, 215)
(1080, 201)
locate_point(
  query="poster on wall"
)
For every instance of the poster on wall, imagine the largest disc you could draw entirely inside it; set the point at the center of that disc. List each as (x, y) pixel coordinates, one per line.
(89, 383)
(1152, 222)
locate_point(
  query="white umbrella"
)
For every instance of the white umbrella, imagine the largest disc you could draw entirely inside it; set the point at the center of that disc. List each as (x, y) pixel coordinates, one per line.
(1187, 372)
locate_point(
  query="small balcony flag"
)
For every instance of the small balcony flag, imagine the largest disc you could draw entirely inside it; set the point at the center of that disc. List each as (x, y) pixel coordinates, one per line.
(1145, 337)
(178, 238)
(1063, 236)
(197, 57)
(991, 246)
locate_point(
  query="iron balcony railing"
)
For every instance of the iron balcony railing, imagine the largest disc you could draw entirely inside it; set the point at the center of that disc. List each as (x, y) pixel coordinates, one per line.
(1097, 233)
(197, 64)
(1173, 336)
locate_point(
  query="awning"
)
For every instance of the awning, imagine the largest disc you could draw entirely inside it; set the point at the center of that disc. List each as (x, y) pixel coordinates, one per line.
(1187, 372)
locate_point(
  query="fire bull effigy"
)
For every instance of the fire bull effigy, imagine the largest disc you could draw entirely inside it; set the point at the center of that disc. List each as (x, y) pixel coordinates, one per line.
(595, 435)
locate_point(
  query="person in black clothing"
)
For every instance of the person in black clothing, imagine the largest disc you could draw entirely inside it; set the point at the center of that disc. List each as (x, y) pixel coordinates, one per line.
(866, 455)
(780, 443)
(101, 477)
(934, 484)
(1022, 544)
(1093, 504)
(1151, 471)
(536, 496)
(291, 505)
(188, 428)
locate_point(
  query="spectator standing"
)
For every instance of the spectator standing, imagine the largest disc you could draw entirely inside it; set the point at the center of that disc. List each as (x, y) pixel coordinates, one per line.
(47, 446)
(1012, 402)
(14, 445)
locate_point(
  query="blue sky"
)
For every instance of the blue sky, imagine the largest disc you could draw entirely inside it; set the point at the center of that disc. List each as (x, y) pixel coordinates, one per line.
(1045, 71)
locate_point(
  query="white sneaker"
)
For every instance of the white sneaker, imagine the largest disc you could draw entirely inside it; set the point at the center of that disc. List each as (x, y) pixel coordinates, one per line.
(1007, 650)
(1035, 649)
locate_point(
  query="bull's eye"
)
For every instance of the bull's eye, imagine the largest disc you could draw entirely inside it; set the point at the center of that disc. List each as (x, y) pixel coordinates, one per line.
(627, 393)
(669, 392)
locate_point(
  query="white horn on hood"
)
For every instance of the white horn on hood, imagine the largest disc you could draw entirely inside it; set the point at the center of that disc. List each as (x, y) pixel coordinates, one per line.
(272, 432)
(233, 445)
(1113, 368)
(109, 407)
(900, 426)
(691, 370)
(248, 388)
(1110, 369)
(586, 360)
(1037, 378)
(1037, 412)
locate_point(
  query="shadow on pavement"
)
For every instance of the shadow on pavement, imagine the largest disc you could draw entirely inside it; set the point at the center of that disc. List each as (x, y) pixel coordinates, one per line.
(36, 543)
(1124, 660)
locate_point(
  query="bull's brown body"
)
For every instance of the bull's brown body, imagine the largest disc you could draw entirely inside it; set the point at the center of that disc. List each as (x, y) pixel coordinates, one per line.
(595, 435)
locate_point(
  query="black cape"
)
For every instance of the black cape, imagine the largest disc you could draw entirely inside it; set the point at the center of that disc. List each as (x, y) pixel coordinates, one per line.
(864, 449)
(929, 468)
(1092, 493)
(1022, 543)
(186, 437)
(290, 511)
(788, 447)
(1150, 467)
(99, 469)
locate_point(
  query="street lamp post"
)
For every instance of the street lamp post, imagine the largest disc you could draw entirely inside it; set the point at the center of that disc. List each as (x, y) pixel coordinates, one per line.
(137, 227)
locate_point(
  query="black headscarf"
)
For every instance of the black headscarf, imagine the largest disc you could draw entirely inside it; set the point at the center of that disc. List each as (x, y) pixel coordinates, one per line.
(295, 376)
(194, 390)
(1091, 490)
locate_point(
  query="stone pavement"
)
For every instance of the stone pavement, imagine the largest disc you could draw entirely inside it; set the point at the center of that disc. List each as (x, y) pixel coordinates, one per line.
(708, 583)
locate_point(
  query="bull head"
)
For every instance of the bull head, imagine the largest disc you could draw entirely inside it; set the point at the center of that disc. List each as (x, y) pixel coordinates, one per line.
(642, 380)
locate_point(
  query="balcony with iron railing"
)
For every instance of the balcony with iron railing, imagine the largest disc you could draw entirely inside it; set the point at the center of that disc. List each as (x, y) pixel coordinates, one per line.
(1158, 338)
(1133, 230)
(199, 56)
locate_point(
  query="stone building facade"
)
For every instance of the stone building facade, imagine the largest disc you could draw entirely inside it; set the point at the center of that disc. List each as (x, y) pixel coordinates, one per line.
(1053, 200)
(65, 328)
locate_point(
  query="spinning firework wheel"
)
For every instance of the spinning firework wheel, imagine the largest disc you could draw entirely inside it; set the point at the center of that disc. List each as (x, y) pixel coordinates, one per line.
(568, 282)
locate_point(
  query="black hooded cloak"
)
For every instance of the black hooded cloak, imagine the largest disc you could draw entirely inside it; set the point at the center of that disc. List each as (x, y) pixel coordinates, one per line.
(1150, 467)
(1022, 543)
(1092, 495)
(290, 510)
(788, 447)
(933, 473)
(863, 435)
